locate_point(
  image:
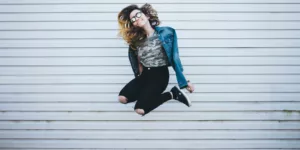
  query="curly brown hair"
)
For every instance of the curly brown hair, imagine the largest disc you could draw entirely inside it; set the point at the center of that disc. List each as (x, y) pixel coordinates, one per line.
(133, 34)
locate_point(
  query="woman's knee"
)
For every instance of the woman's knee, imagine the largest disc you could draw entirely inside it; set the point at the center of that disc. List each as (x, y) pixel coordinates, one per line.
(123, 99)
(140, 111)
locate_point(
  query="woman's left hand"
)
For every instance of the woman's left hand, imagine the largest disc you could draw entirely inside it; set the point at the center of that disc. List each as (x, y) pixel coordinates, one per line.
(190, 87)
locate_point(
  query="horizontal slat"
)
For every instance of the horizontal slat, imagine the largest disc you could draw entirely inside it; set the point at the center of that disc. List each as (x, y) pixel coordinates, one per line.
(147, 149)
(127, 70)
(113, 25)
(159, 7)
(204, 116)
(116, 52)
(169, 106)
(141, 1)
(114, 149)
(165, 16)
(112, 97)
(181, 34)
(118, 43)
(123, 61)
(149, 144)
(152, 125)
(97, 79)
(150, 135)
(104, 88)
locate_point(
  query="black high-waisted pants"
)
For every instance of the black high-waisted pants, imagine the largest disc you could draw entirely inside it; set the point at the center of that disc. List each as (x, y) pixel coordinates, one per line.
(147, 88)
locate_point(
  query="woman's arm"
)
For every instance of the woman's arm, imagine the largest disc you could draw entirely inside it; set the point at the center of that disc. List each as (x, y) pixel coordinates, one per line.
(178, 66)
(133, 61)
(140, 65)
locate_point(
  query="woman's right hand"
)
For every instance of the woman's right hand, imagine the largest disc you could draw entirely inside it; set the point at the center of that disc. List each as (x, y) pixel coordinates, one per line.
(140, 66)
(140, 69)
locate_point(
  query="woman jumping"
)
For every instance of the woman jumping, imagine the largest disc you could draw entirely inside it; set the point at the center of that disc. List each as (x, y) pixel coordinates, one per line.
(152, 49)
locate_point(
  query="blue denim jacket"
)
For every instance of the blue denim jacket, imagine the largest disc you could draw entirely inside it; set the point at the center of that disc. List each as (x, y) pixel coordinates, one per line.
(167, 35)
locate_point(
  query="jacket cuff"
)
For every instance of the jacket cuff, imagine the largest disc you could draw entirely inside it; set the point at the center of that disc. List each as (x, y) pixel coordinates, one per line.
(182, 87)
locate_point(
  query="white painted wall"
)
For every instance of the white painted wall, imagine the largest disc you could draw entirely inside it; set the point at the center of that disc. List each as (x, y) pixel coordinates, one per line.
(62, 66)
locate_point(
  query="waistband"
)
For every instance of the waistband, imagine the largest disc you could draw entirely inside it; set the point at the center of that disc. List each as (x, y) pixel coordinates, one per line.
(154, 68)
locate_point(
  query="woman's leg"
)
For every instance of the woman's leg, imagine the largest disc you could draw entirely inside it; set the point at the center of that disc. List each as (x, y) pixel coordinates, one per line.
(151, 96)
(149, 100)
(130, 91)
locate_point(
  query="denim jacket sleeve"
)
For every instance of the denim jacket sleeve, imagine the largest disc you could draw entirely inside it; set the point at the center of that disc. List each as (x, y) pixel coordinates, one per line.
(133, 61)
(177, 66)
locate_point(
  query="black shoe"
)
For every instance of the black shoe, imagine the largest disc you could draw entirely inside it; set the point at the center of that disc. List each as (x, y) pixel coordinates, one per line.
(181, 96)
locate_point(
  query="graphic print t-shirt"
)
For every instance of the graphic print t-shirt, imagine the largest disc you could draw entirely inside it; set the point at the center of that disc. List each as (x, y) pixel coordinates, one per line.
(151, 52)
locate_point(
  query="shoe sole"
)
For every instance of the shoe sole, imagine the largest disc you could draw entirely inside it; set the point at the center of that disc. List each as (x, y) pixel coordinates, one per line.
(186, 96)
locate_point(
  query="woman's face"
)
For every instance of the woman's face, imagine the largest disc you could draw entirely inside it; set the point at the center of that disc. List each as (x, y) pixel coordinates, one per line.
(139, 21)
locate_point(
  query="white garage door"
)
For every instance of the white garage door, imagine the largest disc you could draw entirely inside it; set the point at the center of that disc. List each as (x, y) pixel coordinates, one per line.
(62, 66)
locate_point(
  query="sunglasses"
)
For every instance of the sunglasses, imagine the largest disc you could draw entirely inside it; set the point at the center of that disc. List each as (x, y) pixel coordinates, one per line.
(137, 15)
